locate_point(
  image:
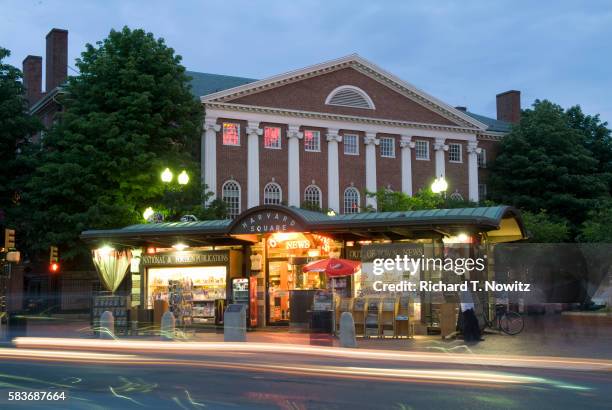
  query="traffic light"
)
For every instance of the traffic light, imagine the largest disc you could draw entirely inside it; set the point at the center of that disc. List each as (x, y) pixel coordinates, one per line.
(54, 265)
(9, 239)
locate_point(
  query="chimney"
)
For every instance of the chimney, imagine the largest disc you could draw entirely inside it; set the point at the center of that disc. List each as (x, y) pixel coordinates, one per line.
(461, 108)
(57, 58)
(509, 106)
(32, 78)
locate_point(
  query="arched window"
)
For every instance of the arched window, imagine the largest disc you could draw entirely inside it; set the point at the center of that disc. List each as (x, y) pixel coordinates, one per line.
(273, 195)
(351, 200)
(231, 196)
(456, 196)
(312, 196)
(350, 96)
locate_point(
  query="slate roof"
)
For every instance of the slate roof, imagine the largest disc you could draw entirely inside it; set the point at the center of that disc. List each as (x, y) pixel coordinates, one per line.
(204, 83)
(493, 124)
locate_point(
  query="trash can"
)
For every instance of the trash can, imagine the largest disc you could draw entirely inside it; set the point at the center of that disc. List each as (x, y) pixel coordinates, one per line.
(17, 326)
(321, 321)
(321, 327)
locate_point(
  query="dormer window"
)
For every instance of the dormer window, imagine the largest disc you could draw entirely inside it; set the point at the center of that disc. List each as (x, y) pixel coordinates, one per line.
(350, 96)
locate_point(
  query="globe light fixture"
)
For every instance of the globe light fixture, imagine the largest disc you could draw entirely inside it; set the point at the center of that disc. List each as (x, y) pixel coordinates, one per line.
(183, 178)
(148, 213)
(439, 185)
(166, 176)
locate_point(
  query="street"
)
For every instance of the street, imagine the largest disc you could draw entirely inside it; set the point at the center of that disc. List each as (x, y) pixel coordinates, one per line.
(295, 377)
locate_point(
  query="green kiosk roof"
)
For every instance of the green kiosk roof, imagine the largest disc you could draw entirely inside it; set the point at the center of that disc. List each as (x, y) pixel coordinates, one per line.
(500, 223)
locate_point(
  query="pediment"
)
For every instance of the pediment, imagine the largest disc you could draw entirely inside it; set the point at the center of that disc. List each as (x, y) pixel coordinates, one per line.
(310, 90)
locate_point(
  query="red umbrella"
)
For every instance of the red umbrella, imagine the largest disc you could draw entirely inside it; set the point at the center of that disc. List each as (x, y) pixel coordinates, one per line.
(333, 267)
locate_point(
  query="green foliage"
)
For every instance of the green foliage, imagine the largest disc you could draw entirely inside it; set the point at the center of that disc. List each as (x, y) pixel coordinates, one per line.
(598, 226)
(311, 206)
(16, 125)
(597, 137)
(542, 228)
(127, 116)
(215, 209)
(546, 162)
(389, 201)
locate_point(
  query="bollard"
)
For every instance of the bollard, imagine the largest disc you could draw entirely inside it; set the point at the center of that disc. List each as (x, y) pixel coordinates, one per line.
(134, 328)
(347, 330)
(107, 325)
(167, 326)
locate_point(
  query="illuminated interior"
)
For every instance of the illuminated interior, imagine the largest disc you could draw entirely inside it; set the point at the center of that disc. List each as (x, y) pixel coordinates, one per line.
(207, 284)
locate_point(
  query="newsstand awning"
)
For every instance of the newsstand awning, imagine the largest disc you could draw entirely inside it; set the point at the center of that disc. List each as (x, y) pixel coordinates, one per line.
(498, 223)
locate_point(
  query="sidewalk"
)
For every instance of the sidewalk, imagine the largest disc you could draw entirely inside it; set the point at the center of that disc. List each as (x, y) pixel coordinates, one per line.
(553, 335)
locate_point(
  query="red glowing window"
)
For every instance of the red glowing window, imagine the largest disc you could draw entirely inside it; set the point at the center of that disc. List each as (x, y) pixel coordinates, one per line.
(231, 134)
(312, 141)
(272, 137)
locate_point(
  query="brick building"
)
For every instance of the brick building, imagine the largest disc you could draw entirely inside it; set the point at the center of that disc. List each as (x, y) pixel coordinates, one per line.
(325, 134)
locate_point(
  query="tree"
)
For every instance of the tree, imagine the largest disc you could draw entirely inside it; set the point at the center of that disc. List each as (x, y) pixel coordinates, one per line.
(16, 125)
(598, 226)
(544, 164)
(597, 138)
(542, 228)
(127, 116)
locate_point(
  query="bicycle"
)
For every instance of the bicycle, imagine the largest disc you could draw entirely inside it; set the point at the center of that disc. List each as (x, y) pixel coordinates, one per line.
(507, 321)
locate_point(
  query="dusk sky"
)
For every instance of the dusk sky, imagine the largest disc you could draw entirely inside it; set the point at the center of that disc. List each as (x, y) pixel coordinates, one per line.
(462, 52)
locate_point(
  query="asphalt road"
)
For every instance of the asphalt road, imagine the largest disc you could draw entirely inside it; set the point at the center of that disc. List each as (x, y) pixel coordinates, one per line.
(264, 380)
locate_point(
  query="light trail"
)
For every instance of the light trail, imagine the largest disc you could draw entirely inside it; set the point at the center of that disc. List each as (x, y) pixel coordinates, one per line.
(70, 356)
(194, 348)
(443, 376)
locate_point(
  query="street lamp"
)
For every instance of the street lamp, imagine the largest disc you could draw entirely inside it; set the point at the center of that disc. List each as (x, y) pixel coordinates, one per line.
(439, 185)
(183, 178)
(148, 213)
(166, 176)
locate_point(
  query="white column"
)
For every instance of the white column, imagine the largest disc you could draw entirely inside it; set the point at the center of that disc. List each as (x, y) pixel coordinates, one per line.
(333, 174)
(208, 167)
(370, 142)
(253, 132)
(406, 144)
(294, 135)
(440, 147)
(473, 152)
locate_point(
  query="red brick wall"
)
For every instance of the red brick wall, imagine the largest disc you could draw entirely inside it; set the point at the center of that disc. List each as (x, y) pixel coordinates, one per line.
(232, 161)
(423, 172)
(457, 173)
(310, 95)
(232, 164)
(389, 170)
(352, 168)
(32, 78)
(492, 149)
(313, 166)
(273, 163)
(56, 58)
(509, 106)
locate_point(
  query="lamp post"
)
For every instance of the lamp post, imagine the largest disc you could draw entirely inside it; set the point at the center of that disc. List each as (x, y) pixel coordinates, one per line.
(439, 186)
(172, 191)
